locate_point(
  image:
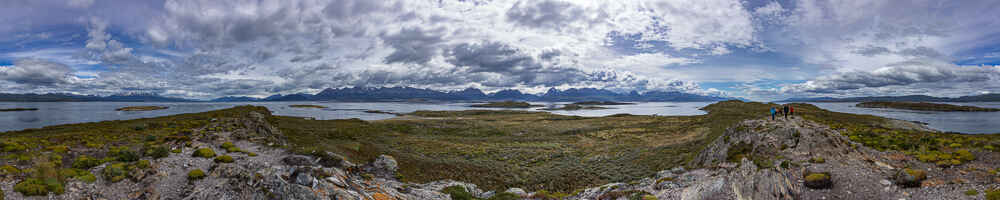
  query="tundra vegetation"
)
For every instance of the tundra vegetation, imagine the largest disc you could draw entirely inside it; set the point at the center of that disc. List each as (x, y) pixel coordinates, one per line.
(924, 106)
(496, 150)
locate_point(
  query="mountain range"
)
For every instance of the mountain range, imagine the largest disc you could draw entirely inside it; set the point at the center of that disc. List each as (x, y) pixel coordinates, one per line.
(356, 94)
(908, 98)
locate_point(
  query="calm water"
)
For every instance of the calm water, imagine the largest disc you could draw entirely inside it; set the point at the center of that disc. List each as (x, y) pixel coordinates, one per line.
(963, 122)
(55, 113)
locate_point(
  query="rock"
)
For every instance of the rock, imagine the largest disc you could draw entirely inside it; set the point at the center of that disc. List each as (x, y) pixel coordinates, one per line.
(885, 182)
(750, 183)
(677, 170)
(302, 177)
(330, 159)
(297, 160)
(384, 167)
(487, 195)
(705, 190)
(910, 177)
(517, 191)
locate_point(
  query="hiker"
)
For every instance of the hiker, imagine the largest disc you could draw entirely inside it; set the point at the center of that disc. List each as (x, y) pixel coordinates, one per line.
(785, 111)
(772, 113)
(791, 111)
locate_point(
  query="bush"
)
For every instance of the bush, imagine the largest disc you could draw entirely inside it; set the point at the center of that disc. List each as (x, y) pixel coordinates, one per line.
(505, 196)
(9, 169)
(157, 152)
(910, 177)
(224, 159)
(115, 172)
(58, 149)
(993, 195)
(965, 155)
(31, 187)
(458, 193)
(85, 162)
(126, 155)
(817, 160)
(204, 153)
(971, 192)
(143, 164)
(818, 181)
(13, 146)
(196, 174)
(227, 145)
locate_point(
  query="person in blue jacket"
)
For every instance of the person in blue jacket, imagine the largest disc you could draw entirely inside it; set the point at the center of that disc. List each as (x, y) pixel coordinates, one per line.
(772, 113)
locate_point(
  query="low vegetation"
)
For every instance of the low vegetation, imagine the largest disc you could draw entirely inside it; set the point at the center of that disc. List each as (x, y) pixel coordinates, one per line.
(306, 106)
(196, 174)
(505, 104)
(141, 108)
(923, 106)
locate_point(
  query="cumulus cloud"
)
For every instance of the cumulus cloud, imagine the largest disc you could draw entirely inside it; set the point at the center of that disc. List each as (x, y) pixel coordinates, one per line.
(900, 74)
(36, 72)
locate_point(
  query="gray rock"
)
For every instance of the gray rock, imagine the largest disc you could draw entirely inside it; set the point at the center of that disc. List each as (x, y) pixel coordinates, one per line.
(706, 190)
(885, 182)
(517, 191)
(383, 167)
(302, 177)
(297, 160)
(330, 159)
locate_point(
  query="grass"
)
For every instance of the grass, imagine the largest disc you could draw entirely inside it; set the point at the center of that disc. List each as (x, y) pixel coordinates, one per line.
(196, 174)
(306, 106)
(923, 106)
(141, 108)
(505, 104)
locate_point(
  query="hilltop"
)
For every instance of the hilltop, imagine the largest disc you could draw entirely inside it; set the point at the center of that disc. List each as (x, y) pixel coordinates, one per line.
(731, 152)
(908, 98)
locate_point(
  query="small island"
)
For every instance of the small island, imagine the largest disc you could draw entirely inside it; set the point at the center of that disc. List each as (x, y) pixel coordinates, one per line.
(923, 106)
(141, 108)
(577, 107)
(383, 112)
(506, 104)
(306, 106)
(603, 103)
(17, 109)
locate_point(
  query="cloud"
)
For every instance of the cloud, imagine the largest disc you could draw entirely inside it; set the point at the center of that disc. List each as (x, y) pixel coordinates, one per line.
(550, 14)
(413, 45)
(900, 74)
(80, 3)
(36, 72)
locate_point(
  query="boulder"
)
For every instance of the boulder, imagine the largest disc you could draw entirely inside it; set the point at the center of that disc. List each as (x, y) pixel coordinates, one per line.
(517, 191)
(910, 177)
(330, 159)
(297, 160)
(302, 177)
(383, 167)
(818, 180)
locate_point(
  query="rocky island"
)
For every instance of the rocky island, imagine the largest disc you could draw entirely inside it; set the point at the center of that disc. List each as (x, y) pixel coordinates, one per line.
(17, 109)
(306, 106)
(923, 106)
(505, 104)
(141, 108)
(733, 152)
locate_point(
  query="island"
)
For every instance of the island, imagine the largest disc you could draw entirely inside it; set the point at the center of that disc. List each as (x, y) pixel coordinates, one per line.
(506, 104)
(924, 106)
(141, 108)
(574, 106)
(606, 103)
(383, 112)
(17, 109)
(306, 106)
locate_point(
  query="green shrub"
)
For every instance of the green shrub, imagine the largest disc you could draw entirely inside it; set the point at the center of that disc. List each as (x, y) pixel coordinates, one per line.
(818, 180)
(177, 150)
(115, 172)
(157, 152)
(13, 146)
(971, 192)
(58, 149)
(204, 153)
(458, 193)
(143, 164)
(965, 155)
(31, 187)
(817, 160)
(227, 145)
(196, 174)
(85, 162)
(993, 195)
(9, 169)
(224, 159)
(126, 155)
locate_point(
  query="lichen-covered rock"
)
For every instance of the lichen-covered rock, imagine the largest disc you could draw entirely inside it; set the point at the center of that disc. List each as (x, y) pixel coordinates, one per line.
(383, 167)
(330, 159)
(818, 180)
(910, 177)
(297, 160)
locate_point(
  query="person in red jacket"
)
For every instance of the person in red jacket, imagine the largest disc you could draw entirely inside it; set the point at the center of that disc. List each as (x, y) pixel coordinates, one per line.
(791, 111)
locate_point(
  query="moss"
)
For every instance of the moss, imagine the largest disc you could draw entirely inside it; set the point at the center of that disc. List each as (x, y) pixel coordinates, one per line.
(818, 180)
(157, 152)
(9, 146)
(31, 187)
(965, 155)
(143, 164)
(204, 153)
(58, 149)
(196, 174)
(177, 150)
(658, 181)
(457, 192)
(9, 169)
(993, 195)
(224, 159)
(817, 160)
(227, 145)
(971, 192)
(115, 172)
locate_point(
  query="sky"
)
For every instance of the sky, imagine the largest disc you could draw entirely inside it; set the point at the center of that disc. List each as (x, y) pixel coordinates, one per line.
(760, 50)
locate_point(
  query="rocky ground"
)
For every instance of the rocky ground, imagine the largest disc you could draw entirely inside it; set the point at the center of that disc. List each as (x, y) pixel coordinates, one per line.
(757, 159)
